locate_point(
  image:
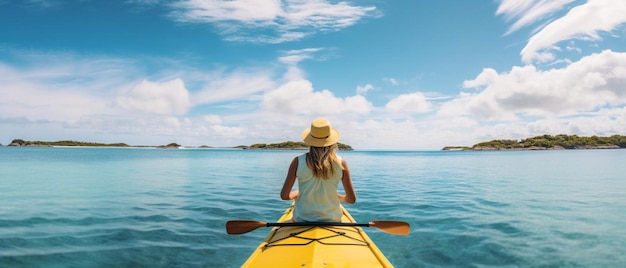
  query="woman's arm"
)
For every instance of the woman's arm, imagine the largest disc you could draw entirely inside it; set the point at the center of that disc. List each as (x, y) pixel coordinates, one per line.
(290, 180)
(346, 180)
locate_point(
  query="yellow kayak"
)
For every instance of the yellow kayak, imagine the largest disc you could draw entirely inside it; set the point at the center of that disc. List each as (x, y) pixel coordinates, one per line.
(317, 246)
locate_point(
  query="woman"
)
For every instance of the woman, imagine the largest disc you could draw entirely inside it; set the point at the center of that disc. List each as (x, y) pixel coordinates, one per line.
(319, 172)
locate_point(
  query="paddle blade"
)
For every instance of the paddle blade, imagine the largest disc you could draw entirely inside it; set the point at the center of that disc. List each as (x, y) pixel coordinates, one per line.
(392, 227)
(243, 226)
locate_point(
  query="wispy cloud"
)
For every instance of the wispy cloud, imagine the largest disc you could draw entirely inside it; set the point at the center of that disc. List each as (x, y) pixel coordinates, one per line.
(585, 21)
(292, 58)
(271, 21)
(60, 86)
(220, 86)
(145, 2)
(42, 3)
(525, 13)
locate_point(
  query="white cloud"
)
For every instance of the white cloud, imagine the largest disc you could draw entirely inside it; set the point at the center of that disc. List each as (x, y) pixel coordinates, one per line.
(529, 11)
(298, 97)
(486, 77)
(361, 90)
(392, 81)
(595, 81)
(170, 97)
(271, 21)
(583, 22)
(292, 58)
(247, 11)
(410, 103)
(42, 3)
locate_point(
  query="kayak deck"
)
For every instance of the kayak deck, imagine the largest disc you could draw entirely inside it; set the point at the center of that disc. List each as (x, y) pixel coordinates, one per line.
(317, 246)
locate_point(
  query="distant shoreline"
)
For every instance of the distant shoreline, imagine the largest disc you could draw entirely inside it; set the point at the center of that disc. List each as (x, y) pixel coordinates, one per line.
(289, 145)
(538, 143)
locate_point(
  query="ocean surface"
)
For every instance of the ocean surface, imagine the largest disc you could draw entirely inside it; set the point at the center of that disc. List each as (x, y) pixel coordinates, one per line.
(129, 207)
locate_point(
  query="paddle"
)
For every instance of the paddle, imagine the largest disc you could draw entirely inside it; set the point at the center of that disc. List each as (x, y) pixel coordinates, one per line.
(244, 226)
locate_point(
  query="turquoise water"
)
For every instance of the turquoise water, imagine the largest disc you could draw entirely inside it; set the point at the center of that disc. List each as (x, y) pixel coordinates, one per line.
(107, 207)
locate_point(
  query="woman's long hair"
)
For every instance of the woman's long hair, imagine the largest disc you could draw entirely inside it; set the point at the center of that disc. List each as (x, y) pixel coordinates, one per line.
(320, 160)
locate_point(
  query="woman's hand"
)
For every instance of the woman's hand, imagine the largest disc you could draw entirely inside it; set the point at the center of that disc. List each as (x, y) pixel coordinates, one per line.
(293, 195)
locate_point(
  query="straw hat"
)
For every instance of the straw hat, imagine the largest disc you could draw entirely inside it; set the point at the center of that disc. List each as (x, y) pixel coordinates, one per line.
(321, 134)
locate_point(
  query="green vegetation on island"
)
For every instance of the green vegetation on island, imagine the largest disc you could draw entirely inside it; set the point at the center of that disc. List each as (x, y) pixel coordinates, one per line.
(20, 142)
(291, 145)
(172, 145)
(549, 142)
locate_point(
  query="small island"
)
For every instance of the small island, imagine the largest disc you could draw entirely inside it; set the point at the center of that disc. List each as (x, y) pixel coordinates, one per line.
(547, 142)
(172, 145)
(65, 143)
(290, 145)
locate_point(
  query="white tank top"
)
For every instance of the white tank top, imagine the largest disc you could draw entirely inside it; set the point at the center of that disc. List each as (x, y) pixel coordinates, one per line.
(317, 198)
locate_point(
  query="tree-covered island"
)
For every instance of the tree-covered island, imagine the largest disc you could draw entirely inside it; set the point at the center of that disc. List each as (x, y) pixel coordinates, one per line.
(68, 143)
(291, 145)
(549, 142)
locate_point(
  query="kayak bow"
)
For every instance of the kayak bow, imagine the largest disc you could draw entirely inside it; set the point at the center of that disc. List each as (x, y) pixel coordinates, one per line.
(342, 244)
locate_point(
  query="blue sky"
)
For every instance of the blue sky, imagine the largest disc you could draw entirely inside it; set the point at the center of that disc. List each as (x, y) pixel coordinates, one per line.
(387, 74)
